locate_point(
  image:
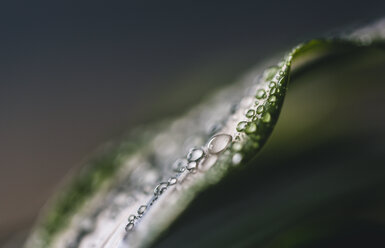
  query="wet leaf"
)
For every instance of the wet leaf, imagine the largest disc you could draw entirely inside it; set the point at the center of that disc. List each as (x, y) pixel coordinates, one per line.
(202, 180)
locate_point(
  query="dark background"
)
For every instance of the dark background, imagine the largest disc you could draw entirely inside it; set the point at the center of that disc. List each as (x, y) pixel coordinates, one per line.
(74, 74)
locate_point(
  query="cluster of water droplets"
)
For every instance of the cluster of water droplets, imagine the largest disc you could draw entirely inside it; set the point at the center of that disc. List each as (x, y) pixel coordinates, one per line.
(257, 114)
(196, 158)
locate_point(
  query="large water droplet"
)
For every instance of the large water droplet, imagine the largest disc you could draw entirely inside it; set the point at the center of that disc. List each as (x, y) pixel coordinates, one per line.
(195, 154)
(218, 143)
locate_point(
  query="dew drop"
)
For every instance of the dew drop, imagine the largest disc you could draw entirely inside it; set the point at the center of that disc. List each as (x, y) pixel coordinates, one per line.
(180, 165)
(273, 91)
(266, 117)
(237, 158)
(260, 94)
(142, 209)
(260, 109)
(218, 143)
(272, 99)
(129, 227)
(160, 188)
(195, 154)
(250, 113)
(131, 218)
(191, 166)
(241, 126)
(251, 127)
(272, 84)
(172, 181)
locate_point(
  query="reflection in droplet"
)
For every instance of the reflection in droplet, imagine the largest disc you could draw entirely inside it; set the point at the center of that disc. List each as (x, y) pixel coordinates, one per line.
(218, 143)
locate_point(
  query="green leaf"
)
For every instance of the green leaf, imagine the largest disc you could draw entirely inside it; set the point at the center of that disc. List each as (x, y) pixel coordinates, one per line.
(197, 181)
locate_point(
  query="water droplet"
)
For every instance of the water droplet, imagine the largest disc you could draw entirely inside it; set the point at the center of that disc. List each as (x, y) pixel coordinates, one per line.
(172, 181)
(191, 166)
(142, 209)
(237, 146)
(273, 91)
(266, 117)
(160, 188)
(129, 227)
(272, 99)
(260, 94)
(180, 165)
(195, 154)
(241, 126)
(237, 158)
(250, 113)
(251, 127)
(131, 218)
(260, 109)
(272, 84)
(218, 143)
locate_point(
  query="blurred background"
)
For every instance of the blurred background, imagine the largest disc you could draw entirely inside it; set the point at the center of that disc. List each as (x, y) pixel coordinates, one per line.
(74, 74)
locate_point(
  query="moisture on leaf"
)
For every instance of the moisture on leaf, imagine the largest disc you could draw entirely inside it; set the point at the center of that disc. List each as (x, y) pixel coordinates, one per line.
(203, 179)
